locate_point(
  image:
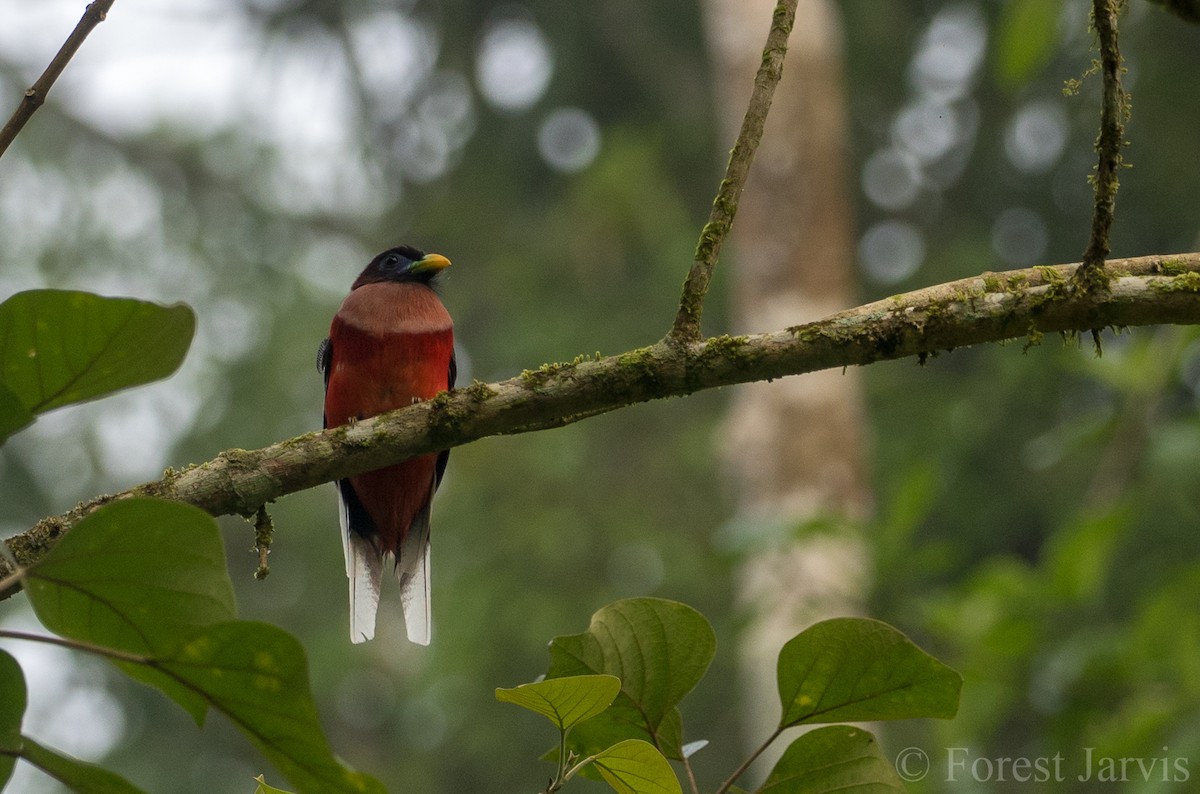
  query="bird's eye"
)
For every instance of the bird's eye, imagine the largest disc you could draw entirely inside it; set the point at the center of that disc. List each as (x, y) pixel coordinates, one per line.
(390, 262)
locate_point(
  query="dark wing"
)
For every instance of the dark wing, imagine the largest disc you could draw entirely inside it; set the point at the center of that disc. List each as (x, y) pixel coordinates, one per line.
(444, 456)
(324, 360)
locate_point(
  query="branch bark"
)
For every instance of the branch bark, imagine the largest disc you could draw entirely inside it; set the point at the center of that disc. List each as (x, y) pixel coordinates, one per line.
(686, 328)
(1113, 109)
(991, 307)
(35, 97)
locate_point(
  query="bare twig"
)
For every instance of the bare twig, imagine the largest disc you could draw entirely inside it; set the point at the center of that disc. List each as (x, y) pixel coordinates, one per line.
(741, 770)
(691, 303)
(35, 97)
(1113, 110)
(990, 307)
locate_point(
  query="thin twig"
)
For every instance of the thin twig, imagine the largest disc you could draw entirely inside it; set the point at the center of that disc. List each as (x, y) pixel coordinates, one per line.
(78, 645)
(1113, 110)
(691, 303)
(691, 776)
(741, 770)
(35, 97)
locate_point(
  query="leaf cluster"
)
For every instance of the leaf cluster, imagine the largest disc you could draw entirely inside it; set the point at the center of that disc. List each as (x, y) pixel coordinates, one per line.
(142, 582)
(613, 693)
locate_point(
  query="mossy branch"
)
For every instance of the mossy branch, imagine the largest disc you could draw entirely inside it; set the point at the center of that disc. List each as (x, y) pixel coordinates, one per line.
(987, 308)
(686, 327)
(35, 97)
(1113, 110)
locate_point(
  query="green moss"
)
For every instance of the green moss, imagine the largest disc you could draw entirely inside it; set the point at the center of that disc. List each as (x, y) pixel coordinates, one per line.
(992, 283)
(537, 378)
(732, 349)
(1184, 282)
(1034, 338)
(1050, 275)
(480, 391)
(1172, 267)
(446, 417)
(640, 364)
(725, 344)
(967, 295)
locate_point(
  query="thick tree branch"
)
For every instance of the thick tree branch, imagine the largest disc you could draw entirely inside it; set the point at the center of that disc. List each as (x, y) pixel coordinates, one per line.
(686, 328)
(35, 97)
(987, 308)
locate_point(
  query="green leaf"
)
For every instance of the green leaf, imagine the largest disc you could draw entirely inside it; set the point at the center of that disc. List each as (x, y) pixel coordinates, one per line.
(263, 788)
(565, 701)
(1026, 40)
(838, 758)
(635, 767)
(257, 675)
(59, 347)
(619, 722)
(78, 776)
(12, 711)
(137, 575)
(147, 580)
(857, 670)
(659, 650)
(13, 413)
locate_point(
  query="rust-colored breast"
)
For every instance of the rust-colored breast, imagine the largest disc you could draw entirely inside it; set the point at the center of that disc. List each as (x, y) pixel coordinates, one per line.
(392, 345)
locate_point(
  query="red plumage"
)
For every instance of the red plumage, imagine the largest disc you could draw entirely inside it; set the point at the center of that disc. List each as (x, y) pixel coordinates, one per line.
(390, 344)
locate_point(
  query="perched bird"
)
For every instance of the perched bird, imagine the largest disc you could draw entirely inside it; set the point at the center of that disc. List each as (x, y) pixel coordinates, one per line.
(391, 344)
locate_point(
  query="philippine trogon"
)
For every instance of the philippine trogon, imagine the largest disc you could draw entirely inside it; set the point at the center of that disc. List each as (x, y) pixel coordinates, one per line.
(391, 344)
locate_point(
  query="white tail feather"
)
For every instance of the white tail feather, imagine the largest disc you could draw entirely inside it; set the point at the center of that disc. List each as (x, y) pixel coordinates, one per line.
(414, 596)
(413, 574)
(364, 568)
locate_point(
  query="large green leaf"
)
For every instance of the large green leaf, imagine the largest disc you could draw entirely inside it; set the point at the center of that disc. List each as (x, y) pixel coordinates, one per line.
(137, 575)
(144, 582)
(257, 675)
(59, 347)
(13, 413)
(565, 701)
(12, 711)
(635, 767)
(857, 670)
(78, 776)
(838, 758)
(659, 649)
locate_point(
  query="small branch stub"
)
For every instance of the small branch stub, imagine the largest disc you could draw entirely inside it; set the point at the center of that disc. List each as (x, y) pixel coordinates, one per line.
(264, 532)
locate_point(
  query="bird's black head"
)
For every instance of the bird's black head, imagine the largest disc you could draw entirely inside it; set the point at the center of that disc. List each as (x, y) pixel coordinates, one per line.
(403, 263)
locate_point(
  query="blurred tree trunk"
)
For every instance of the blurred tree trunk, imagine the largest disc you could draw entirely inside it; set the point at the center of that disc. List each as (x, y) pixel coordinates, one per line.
(794, 449)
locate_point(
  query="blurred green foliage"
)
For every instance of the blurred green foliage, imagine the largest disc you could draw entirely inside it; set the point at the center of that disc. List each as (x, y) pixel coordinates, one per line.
(1036, 512)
